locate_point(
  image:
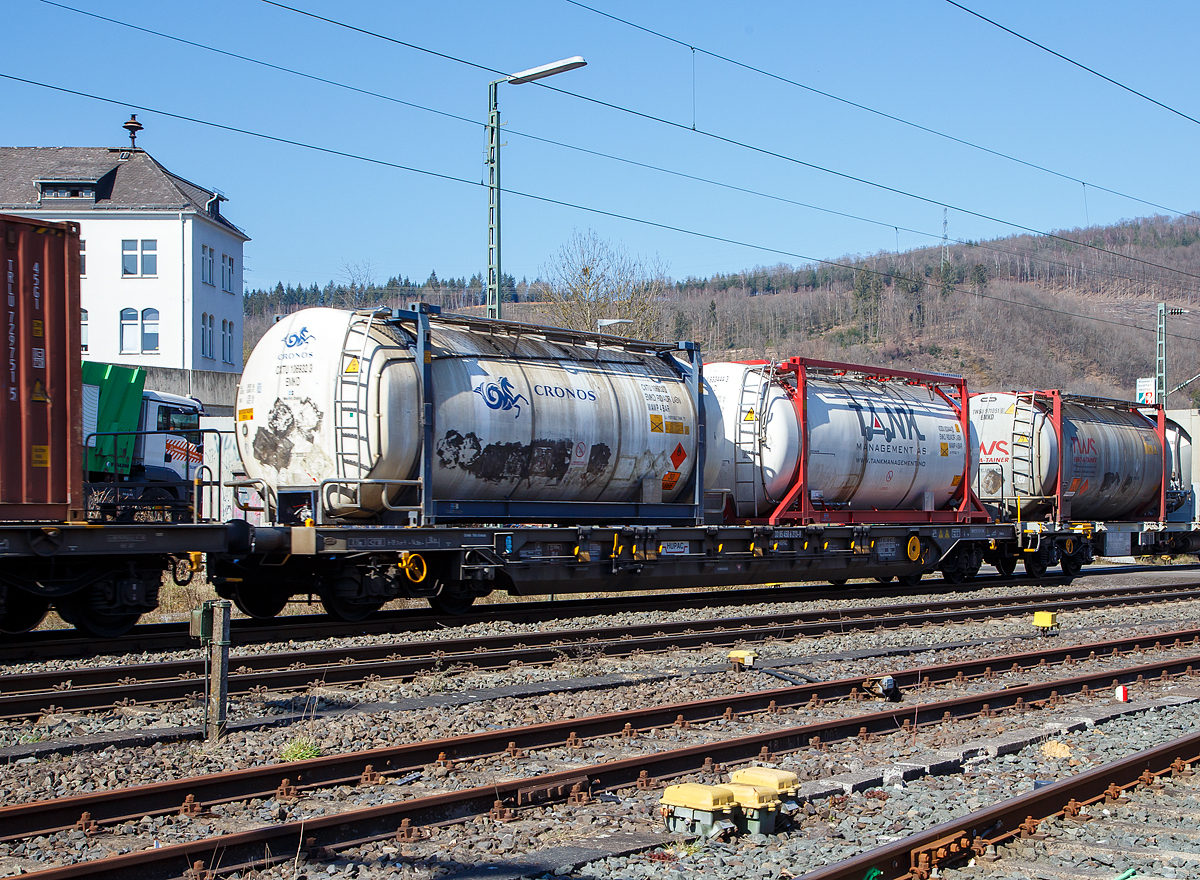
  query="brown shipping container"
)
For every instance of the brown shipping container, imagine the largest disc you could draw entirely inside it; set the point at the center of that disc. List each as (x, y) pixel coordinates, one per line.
(41, 468)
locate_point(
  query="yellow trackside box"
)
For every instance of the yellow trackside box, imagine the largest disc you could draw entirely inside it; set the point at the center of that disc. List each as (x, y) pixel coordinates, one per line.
(1045, 619)
(694, 796)
(782, 782)
(742, 658)
(692, 808)
(759, 807)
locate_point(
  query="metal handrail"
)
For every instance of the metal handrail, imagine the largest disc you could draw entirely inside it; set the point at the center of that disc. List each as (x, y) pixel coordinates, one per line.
(409, 509)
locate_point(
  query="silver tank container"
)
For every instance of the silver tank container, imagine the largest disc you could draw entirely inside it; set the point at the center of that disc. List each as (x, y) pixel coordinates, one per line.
(870, 445)
(334, 395)
(1111, 458)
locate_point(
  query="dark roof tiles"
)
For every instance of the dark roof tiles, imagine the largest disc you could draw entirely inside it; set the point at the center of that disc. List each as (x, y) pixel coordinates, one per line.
(137, 181)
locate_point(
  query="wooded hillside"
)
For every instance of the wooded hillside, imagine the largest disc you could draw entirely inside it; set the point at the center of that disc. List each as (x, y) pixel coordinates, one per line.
(1024, 311)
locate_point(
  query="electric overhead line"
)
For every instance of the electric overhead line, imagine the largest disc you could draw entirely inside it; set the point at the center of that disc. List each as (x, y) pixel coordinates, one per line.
(751, 147)
(783, 199)
(880, 113)
(572, 205)
(1090, 70)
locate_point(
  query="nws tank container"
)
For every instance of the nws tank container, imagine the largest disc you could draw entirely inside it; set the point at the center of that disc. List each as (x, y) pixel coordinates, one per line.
(327, 394)
(41, 445)
(1110, 457)
(871, 445)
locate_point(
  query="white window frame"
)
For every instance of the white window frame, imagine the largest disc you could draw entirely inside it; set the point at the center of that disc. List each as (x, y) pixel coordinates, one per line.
(83, 331)
(129, 320)
(150, 318)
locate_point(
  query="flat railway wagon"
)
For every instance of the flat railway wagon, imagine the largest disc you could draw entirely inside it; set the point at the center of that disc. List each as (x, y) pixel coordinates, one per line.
(100, 576)
(413, 454)
(417, 454)
(1083, 476)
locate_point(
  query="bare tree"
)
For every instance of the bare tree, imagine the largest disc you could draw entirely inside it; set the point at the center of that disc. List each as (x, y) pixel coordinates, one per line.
(591, 279)
(361, 279)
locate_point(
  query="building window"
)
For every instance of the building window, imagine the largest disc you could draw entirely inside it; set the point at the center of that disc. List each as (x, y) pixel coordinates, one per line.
(212, 324)
(150, 256)
(206, 264)
(230, 359)
(129, 261)
(224, 341)
(149, 330)
(83, 330)
(129, 256)
(129, 331)
(227, 273)
(82, 259)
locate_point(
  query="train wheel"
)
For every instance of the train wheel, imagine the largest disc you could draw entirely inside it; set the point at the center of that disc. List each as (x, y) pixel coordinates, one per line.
(954, 575)
(1006, 565)
(886, 580)
(22, 612)
(910, 580)
(350, 612)
(260, 604)
(452, 604)
(838, 582)
(1034, 567)
(1071, 565)
(76, 611)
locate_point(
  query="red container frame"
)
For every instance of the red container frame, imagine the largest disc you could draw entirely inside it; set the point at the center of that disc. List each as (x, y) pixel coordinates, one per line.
(41, 442)
(1056, 419)
(797, 507)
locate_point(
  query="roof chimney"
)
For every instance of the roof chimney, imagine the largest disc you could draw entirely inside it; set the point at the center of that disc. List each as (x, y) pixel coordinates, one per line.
(133, 127)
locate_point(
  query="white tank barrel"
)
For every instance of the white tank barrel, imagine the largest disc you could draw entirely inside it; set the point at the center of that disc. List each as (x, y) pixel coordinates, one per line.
(872, 445)
(1111, 457)
(330, 395)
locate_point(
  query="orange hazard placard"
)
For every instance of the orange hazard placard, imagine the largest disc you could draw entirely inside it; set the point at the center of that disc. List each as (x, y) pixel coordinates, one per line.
(669, 480)
(656, 424)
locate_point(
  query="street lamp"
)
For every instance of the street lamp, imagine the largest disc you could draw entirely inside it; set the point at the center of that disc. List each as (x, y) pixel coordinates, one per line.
(608, 322)
(493, 164)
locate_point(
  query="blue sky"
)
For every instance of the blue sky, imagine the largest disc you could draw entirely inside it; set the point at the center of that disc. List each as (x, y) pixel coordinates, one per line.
(310, 213)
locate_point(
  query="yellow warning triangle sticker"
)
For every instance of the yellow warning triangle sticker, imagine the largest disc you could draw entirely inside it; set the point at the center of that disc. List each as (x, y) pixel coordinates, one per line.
(352, 367)
(749, 416)
(39, 391)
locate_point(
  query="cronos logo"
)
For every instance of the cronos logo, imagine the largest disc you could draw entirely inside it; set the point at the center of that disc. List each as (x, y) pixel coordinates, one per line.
(302, 338)
(500, 396)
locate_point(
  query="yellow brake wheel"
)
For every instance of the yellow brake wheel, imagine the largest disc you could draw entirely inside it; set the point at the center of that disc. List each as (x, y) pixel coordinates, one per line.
(414, 567)
(914, 548)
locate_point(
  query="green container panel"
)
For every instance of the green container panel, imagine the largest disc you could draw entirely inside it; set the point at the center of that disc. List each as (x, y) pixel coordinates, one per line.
(117, 403)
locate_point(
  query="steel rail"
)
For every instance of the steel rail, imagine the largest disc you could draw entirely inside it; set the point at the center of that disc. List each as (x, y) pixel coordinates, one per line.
(33, 694)
(64, 643)
(129, 804)
(274, 843)
(917, 855)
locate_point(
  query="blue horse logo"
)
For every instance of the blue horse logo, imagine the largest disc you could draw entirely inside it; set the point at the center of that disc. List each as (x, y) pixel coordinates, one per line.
(294, 339)
(501, 396)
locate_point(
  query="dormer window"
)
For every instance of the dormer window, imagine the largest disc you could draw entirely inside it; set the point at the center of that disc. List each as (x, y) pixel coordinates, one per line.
(68, 189)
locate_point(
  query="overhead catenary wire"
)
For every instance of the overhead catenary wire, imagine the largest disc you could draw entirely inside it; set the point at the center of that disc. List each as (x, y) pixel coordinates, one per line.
(625, 160)
(743, 145)
(1072, 61)
(565, 204)
(868, 109)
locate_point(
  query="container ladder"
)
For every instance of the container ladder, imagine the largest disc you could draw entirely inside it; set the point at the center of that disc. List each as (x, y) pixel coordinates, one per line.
(352, 442)
(747, 462)
(1021, 448)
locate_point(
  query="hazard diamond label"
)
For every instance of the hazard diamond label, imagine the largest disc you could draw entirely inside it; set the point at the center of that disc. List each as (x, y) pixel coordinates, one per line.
(678, 455)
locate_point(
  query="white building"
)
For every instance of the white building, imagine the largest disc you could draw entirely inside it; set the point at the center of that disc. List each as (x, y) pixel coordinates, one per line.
(161, 267)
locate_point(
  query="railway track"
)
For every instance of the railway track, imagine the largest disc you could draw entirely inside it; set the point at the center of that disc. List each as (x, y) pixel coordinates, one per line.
(404, 819)
(29, 695)
(146, 638)
(1107, 795)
